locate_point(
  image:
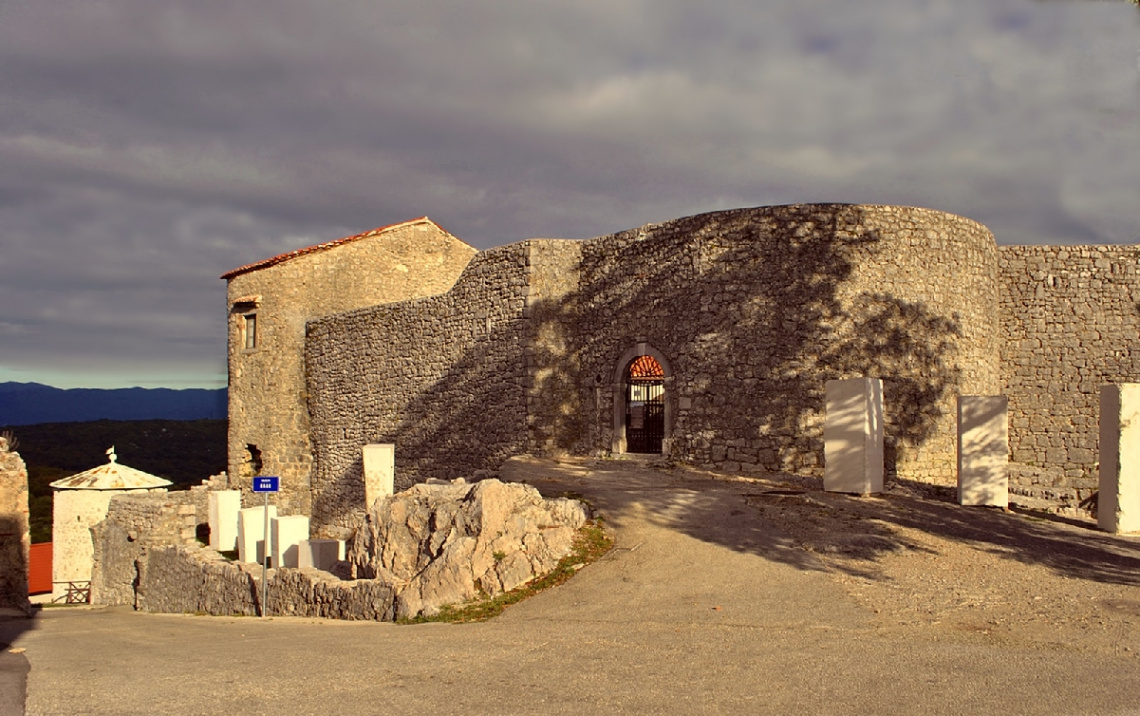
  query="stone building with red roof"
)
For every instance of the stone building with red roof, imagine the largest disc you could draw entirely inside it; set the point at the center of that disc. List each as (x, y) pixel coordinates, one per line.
(270, 302)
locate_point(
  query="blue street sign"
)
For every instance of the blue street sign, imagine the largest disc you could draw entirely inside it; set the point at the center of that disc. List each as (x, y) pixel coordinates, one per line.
(266, 484)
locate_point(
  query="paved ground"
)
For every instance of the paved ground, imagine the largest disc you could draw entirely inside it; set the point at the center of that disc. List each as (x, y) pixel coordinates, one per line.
(714, 601)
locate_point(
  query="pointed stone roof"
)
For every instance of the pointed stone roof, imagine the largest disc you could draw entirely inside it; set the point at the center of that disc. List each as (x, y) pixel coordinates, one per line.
(111, 476)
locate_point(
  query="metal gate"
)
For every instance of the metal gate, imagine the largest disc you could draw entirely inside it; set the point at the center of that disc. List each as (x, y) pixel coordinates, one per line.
(644, 415)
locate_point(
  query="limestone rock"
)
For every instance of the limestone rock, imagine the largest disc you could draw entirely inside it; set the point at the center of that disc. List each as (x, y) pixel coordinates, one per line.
(450, 543)
(14, 537)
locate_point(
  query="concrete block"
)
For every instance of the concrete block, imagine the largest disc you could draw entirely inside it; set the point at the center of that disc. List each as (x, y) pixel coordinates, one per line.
(983, 450)
(320, 553)
(285, 533)
(251, 533)
(379, 472)
(1118, 503)
(224, 506)
(853, 436)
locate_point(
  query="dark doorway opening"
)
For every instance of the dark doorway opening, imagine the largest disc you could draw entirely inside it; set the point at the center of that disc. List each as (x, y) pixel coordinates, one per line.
(644, 405)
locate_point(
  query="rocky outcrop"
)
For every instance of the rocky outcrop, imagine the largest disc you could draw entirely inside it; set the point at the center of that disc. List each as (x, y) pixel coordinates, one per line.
(453, 542)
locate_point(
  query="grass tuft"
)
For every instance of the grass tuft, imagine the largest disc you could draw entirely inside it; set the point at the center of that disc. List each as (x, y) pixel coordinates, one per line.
(591, 544)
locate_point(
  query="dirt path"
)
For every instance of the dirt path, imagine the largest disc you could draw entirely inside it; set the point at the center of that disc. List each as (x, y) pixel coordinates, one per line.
(721, 596)
(917, 560)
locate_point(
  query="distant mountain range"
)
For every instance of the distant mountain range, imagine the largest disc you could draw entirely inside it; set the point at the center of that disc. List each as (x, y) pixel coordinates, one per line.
(32, 403)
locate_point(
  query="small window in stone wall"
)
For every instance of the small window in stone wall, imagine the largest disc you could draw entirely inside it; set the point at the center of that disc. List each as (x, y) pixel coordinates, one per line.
(249, 330)
(244, 315)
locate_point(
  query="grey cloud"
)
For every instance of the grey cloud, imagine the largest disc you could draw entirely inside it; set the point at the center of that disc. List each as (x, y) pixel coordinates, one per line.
(147, 147)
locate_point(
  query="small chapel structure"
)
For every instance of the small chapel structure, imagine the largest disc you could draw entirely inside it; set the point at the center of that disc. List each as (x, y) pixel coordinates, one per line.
(80, 502)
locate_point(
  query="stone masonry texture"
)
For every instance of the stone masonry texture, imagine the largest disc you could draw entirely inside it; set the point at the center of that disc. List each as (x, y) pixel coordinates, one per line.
(268, 413)
(443, 378)
(755, 309)
(14, 536)
(521, 349)
(135, 525)
(1070, 325)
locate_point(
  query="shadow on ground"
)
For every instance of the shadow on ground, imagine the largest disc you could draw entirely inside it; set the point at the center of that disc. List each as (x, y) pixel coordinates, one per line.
(14, 665)
(782, 518)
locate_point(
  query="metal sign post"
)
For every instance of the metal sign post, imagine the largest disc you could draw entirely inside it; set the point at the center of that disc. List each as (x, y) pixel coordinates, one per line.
(265, 485)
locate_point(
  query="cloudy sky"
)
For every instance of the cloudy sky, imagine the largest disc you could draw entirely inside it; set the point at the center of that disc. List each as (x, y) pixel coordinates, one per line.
(148, 147)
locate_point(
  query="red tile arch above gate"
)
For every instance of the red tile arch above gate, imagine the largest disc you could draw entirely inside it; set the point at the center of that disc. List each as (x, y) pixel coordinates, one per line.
(646, 366)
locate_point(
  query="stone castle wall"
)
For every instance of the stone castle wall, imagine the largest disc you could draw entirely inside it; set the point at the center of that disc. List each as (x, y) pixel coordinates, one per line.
(756, 308)
(443, 377)
(551, 337)
(14, 536)
(1070, 325)
(268, 409)
(753, 309)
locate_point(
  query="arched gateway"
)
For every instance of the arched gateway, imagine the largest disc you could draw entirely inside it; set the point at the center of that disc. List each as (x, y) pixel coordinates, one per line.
(643, 419)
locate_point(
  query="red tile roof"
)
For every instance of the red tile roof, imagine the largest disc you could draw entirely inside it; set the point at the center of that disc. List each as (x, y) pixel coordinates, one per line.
(281, 258)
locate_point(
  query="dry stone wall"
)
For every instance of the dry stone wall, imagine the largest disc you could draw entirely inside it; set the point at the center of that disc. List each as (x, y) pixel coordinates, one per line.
(755, 309)
(135, 525)
(196, 580)
(443, 377)
(200, 581)
(752, 311)
(148, 556)
(14, 535)
(1070, 325)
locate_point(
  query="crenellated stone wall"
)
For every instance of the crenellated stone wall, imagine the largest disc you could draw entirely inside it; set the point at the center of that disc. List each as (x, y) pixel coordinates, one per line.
(1070, 325)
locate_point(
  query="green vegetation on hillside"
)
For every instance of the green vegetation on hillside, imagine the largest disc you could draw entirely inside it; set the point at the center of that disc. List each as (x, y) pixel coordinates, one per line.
(184, 452)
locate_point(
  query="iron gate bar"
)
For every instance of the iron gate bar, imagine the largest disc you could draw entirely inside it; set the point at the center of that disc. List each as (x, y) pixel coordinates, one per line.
(644, 435)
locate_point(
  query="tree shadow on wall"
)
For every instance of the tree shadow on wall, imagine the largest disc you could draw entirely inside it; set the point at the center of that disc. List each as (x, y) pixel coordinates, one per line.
(914, 351)
(755, 310)
(466, 410)
(784, 523)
